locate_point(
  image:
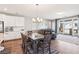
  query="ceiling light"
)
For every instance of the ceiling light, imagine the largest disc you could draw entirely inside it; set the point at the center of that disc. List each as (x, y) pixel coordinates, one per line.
(41, 19)
(37, 20)
(5, 9)
(37, 4)
(60, 13)
(33, 19)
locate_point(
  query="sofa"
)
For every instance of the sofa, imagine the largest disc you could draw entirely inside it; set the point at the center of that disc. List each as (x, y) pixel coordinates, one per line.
(46, 32)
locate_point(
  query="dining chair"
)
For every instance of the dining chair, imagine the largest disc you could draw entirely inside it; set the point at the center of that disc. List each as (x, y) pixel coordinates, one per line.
(29, 46)
(23, 42)
(26, 44)
(29, 32)
(45, 45)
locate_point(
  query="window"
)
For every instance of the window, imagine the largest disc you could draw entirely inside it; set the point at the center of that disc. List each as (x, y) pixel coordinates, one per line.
(68, 26)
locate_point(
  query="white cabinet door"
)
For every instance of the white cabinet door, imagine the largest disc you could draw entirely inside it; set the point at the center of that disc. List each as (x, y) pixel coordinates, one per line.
(2, 16)
(14, 21)
(9, 21)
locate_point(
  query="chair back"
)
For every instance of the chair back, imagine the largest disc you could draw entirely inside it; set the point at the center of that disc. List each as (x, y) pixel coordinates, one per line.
(47, 43)
(23, 37)
(29, 32)
(23, 42)
(26, 43)
(47, 38)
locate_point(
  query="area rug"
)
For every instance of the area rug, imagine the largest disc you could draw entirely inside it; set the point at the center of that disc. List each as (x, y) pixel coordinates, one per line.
(5, 51)
(53, 51)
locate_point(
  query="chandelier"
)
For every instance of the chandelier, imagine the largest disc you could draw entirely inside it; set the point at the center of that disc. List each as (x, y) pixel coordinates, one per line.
(37, 19)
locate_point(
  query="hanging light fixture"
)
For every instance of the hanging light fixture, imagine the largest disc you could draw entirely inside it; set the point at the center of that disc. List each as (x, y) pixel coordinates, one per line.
(41, 19)
(33, 19)
(37, 19)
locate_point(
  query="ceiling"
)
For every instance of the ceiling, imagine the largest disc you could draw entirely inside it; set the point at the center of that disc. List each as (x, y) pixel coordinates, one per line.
(47, 11)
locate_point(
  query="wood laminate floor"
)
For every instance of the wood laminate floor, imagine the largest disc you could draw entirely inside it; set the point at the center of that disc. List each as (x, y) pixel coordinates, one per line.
(63, 47)
(14, 46)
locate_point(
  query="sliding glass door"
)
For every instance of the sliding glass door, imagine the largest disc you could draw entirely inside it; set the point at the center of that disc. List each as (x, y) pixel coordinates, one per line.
(75, 27)
(60, 26)
(69, 26)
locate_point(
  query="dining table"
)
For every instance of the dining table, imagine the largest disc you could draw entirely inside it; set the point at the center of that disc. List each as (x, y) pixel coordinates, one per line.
(35, 37)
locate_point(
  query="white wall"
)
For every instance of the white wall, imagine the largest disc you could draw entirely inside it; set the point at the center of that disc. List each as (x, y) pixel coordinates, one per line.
(28, 23)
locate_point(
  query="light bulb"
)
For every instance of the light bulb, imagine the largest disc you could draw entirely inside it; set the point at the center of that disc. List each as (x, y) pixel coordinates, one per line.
(33, 19)
(38, 19)
(5, 9)
(41, 19)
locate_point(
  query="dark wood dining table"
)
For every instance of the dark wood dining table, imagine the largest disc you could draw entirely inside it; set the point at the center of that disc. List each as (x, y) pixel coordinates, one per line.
(35, 37)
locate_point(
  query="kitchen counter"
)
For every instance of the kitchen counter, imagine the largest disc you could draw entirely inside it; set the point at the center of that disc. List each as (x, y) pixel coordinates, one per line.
(10, 35)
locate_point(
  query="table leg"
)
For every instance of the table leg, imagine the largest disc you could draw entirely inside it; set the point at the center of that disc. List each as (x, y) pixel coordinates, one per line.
(35, 46)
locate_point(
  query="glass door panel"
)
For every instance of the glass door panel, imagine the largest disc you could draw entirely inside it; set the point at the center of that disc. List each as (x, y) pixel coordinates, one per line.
(68, 27)
(61, 29)
(75, 27)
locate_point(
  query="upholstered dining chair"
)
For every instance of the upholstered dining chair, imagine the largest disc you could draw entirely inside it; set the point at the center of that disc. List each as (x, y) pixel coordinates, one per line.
(29, 32)
(26, 44)
(45, 44)
(23, 42)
